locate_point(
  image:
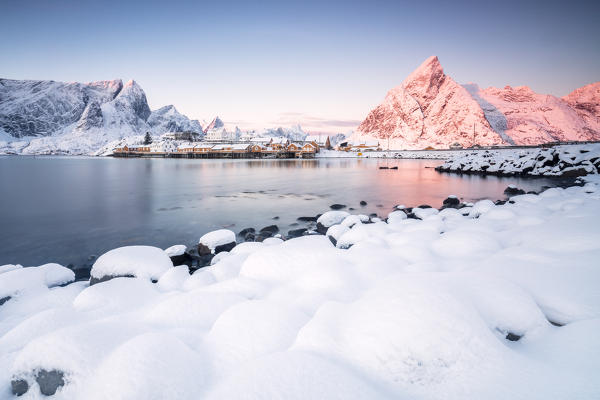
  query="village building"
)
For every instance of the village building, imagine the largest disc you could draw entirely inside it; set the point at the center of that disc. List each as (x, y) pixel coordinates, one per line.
(202, 148)
(190, 136)
(364, 145)
(140, 148)
(322, 141)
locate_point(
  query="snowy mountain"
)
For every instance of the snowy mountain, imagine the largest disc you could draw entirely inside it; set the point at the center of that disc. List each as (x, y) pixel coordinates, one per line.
(47, 117)
(216, 123)
(293, 133)
(430, 109)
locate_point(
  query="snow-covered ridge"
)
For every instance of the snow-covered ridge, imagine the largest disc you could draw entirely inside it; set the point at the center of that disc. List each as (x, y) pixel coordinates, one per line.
(429, 109)
(47, 117)
(483, 301)
(557, 161)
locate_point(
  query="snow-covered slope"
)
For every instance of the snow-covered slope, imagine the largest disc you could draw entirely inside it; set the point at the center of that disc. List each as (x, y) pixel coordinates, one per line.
(534, 118)
(430, 109)
(46, 117)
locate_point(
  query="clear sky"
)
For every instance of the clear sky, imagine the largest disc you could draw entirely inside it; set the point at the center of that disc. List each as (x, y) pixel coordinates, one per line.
(321, 64)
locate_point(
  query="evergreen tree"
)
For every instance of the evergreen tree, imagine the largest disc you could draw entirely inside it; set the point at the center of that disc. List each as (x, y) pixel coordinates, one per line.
(147, 138)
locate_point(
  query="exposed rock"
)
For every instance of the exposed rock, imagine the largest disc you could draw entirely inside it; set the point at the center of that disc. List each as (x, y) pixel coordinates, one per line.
(294, 233)
(363, 203)
(225, 247)
(94, 280)
(270, 230)
(49, 381)
(451, 202)
(337, 206)
(513, 191)
(513, 337)
(19, 386)
(246, 231)
(4, 299)
(307, 219)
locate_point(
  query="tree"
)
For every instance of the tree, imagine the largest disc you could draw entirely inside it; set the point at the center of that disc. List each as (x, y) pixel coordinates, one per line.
(147, 138)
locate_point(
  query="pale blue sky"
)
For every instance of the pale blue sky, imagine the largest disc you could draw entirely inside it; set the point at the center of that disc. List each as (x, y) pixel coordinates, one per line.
(321, 64)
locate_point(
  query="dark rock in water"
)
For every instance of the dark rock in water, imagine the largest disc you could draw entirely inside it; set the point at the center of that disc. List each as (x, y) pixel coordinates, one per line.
(203, 249)
(294, 233)
(575, 172)
(204, 261)
(261, 237)
(511, 202)
(532, 192)
(182, 259)
(82, 272)
(307, 219)
(379, 206)
(321, 228)
(249, 237)
(275, 217)
(351, 209)
(373, 215)
(383, 168)
(49, 381)
(246, 231)
(19, 386)
(513, 191)
(271, 229)
(500, 202)
(363, 203)
(513, 337)
(337, 206)
(396, 167)
(424, 206)
(333, 240)
(224, 247)
(94, 280)
(4, 299)
(294, 224)
(451, 202)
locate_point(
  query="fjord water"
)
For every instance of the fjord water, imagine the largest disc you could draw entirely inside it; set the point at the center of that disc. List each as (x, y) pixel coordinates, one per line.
(65, 209)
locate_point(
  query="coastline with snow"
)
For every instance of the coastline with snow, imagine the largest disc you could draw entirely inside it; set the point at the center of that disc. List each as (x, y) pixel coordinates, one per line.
(481, 300)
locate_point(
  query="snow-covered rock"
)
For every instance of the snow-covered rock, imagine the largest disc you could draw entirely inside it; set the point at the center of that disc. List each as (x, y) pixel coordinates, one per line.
(216, 241)
(144, 262)
(565, 160)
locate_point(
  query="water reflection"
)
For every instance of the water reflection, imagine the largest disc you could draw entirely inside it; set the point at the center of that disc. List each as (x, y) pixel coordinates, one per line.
(64, 209)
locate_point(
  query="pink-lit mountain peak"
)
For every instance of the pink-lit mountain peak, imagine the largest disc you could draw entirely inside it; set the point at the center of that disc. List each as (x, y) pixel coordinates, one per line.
(431, 109)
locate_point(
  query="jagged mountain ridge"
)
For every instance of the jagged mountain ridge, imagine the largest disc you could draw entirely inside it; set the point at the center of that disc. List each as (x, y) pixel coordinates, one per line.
(78, 118)
(429, 109)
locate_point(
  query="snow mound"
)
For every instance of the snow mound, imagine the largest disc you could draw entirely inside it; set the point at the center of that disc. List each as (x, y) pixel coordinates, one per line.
(217, 238)
(144, 262)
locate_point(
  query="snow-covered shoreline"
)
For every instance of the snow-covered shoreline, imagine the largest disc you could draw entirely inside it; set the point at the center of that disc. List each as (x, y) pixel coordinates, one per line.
(573, 160)
(482, 301)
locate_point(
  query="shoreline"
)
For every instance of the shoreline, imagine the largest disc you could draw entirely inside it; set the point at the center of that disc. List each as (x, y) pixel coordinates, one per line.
(491, 288)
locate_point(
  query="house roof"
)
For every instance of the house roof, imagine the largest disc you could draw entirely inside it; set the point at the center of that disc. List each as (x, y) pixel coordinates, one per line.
(319, 139)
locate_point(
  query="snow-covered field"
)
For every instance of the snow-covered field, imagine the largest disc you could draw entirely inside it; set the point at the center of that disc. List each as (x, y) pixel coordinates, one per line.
(567, 160)
(484, 302)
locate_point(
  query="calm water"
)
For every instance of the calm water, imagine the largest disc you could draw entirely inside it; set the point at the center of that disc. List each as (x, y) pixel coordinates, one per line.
(66, 209)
